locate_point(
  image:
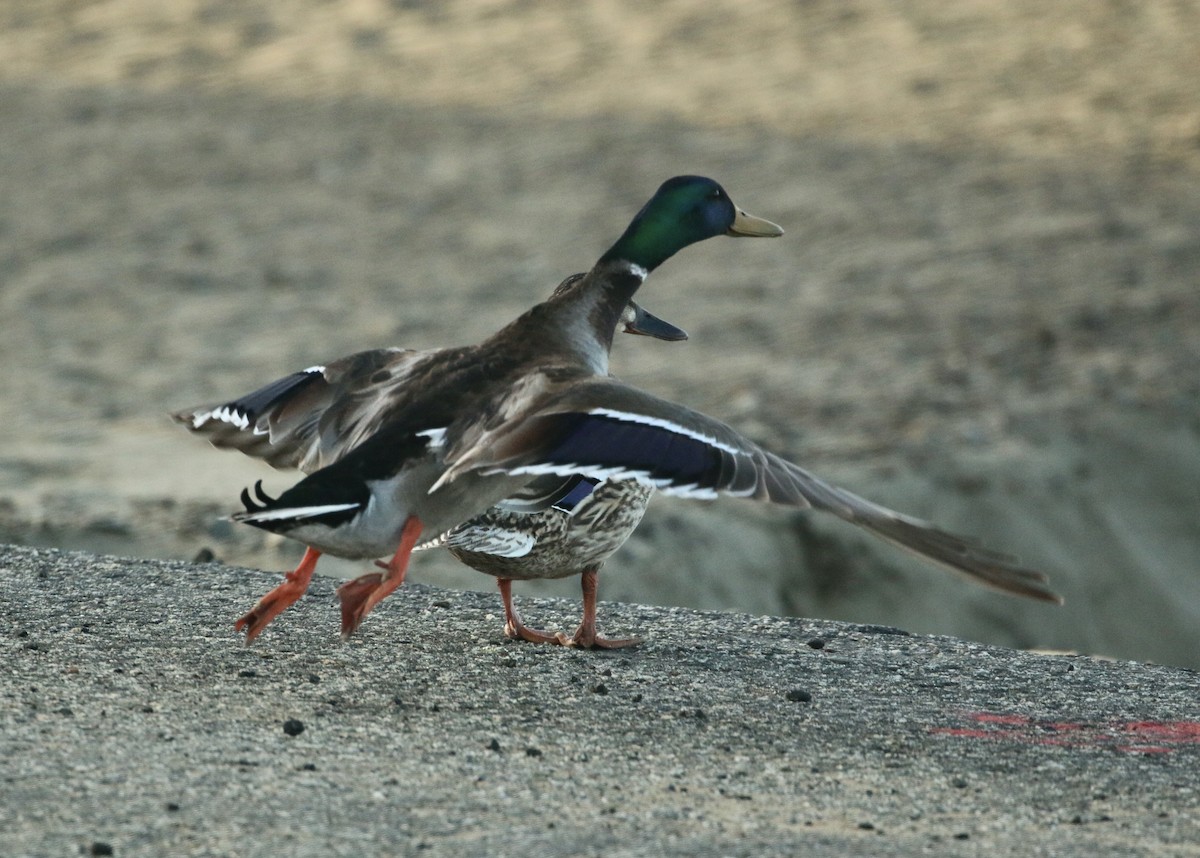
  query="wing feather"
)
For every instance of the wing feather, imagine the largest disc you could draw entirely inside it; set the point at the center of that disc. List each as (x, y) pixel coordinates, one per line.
(605, 429)
(307, 419)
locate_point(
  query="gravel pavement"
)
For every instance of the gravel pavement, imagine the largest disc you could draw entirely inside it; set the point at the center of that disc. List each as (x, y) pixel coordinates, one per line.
(135, 723)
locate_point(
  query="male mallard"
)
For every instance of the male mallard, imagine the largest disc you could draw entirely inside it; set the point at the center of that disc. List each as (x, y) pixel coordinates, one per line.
(302, 420)
(378, 498)
(507, 411)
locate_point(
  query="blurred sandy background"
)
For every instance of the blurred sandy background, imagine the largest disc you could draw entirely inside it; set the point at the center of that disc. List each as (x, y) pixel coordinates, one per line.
(986, 309)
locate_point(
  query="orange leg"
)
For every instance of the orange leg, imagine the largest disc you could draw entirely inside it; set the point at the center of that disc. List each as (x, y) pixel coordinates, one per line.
(353, 594)
(585, 636)
(517, 630)
(362, 594)
(281, 598)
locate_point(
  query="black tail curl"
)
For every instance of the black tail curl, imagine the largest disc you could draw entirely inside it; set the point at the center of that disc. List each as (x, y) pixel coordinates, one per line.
(264, 499)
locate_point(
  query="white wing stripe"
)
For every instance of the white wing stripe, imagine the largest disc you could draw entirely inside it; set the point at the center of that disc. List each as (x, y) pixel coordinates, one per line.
(647, 420)
(299, 512)
(225, 414)
(437, 437)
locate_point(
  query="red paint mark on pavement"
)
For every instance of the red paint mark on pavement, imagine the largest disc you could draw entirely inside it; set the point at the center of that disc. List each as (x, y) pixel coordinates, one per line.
(1131, 737)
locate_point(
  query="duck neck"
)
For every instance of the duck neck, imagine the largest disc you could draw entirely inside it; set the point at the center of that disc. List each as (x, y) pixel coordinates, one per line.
(616, 282)
(649, 241)
(585, 316)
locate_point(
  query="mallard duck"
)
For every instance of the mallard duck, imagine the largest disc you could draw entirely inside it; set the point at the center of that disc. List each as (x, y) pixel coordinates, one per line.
(430, 459)
(573, 537)
(377, 499)
(301, 421)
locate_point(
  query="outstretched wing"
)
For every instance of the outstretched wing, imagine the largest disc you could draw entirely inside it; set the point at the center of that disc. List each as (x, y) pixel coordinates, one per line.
(604, 429)
(305, 420)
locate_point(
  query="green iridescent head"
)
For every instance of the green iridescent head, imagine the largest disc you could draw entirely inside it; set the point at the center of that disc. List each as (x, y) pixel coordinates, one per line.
(686, 209)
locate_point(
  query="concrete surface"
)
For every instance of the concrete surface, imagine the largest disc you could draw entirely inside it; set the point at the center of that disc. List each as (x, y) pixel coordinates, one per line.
(135, 723)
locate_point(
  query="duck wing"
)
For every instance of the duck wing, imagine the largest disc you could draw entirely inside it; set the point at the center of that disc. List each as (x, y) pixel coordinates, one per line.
(604, 429)
(307, 419)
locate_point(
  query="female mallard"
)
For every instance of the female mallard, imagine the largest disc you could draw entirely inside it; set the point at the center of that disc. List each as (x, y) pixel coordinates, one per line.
(573, 537)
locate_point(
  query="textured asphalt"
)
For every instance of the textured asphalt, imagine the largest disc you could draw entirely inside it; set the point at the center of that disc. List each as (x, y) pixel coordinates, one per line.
(134, 722)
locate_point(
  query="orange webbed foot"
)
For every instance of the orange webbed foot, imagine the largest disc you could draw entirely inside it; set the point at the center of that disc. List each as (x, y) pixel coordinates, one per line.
(353, 595)
(278, 600)
(362, 594)
(588, 639)
(585, 636)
